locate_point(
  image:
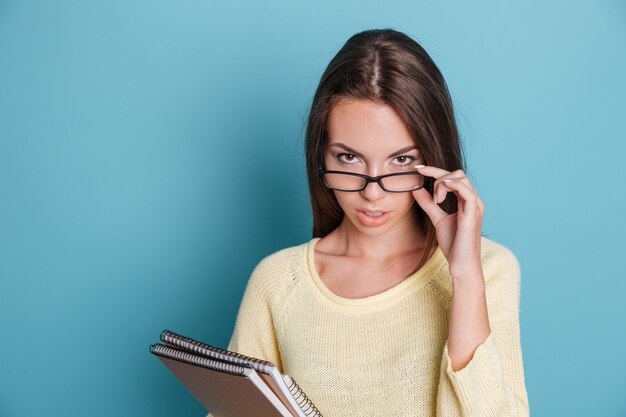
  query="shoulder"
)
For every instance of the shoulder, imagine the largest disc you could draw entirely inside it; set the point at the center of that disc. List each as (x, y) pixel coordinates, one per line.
(497, 258)
(281, 261)
(275, 274)
(502, 274)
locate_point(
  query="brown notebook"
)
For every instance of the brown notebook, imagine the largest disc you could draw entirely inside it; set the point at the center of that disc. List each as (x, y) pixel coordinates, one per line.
(229, 384)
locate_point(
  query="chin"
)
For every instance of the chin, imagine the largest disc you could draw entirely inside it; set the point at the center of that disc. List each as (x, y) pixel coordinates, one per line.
(373, 231)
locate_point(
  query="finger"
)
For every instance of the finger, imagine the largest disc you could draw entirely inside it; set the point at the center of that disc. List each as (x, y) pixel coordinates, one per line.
(463, 178)
(439, 173)
(437, 185)
(458, 174)
(466, 182)
(468, 200)
(427, 203)
(431, 171)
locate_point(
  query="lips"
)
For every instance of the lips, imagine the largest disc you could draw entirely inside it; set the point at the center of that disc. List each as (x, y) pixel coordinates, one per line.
(373, 211)
(368, 218)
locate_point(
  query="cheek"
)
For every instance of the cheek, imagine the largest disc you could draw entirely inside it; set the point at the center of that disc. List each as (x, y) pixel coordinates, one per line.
(345, 200)
(349, 202)
(402, 202)
(408, 199)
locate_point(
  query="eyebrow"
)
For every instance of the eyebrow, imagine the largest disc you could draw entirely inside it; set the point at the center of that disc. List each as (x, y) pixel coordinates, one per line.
(354, 152)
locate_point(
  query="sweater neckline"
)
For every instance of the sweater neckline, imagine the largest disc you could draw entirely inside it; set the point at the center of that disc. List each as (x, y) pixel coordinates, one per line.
(410, 283)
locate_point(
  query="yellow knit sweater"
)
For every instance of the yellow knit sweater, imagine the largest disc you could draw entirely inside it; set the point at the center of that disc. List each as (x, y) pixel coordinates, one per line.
(387, 354)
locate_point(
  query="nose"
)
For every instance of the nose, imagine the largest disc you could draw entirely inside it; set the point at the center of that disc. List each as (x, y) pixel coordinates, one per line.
(373, 191)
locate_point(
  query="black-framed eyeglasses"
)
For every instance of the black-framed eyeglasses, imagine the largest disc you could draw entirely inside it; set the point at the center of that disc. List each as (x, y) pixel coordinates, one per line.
(400, 182)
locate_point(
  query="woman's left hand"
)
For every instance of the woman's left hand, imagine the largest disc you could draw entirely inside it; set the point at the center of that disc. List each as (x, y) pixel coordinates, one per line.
(458, 234)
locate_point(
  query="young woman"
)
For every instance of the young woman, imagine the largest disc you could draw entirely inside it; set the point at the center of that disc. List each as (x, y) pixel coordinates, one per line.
(398, 305)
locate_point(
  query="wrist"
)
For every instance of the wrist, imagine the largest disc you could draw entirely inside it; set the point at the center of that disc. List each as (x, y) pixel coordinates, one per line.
(469, 279)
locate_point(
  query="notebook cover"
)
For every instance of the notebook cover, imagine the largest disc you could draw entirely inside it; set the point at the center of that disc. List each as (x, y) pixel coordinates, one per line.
(227, 395)
(280, 387)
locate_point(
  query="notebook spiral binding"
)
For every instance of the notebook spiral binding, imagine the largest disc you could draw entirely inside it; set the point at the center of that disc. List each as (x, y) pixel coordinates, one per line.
(303, 401)
(220, 354)
(186, 357)
(305, 404)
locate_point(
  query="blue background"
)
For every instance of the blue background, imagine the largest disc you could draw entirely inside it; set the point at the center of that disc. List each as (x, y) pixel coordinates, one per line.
(151, 153)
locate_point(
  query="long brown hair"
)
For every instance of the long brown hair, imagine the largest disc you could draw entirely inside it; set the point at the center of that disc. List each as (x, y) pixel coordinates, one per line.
(387, 67)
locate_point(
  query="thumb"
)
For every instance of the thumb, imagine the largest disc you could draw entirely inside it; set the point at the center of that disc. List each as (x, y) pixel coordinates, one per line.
(427, 203)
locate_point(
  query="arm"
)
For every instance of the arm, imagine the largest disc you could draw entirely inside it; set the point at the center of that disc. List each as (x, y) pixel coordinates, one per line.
(487, 378)
(254, 333)
(469, 319)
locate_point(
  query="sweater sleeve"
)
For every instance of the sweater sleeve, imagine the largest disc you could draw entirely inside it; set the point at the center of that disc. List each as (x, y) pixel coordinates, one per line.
(492, 383)
(254, 333)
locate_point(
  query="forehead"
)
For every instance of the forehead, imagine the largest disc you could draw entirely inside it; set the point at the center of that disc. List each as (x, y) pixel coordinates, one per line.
(371, 128)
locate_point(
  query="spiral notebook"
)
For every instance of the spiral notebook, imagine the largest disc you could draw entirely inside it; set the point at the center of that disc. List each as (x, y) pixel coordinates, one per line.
(229, 384)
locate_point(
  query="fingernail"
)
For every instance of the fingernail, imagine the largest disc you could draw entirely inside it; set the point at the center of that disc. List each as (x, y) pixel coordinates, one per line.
(420, 166)
(435, 197)
(448, 179)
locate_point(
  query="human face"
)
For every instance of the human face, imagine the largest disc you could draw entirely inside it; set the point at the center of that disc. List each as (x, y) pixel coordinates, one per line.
(370, 138)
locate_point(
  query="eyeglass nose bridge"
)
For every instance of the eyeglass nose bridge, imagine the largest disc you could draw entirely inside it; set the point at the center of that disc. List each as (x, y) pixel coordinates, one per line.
(377, 179)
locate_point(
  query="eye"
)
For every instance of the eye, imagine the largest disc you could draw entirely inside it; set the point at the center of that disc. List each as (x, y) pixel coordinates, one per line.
(348, 158)
(405, 160)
